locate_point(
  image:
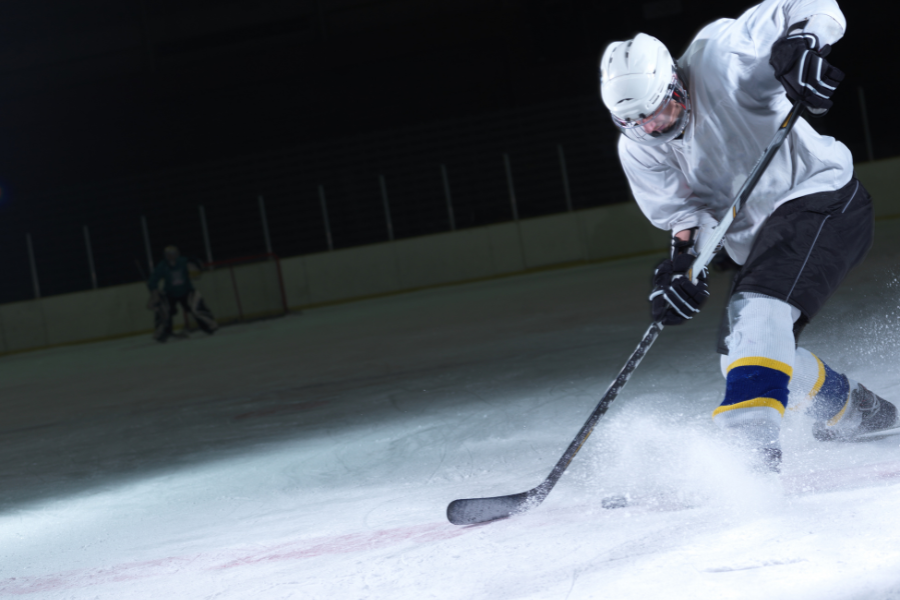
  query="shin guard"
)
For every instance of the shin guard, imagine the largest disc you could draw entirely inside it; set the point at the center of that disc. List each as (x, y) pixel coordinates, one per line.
(201, 313)
(759, 368)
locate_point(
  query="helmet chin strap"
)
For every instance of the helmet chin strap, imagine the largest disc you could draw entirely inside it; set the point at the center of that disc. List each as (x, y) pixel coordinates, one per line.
(667, 130)
(684, 124)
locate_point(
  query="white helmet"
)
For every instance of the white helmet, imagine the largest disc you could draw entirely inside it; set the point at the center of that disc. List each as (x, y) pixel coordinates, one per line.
(640, 86)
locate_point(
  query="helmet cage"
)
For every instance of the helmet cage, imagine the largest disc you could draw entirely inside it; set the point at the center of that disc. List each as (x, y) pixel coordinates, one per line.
(665, 123)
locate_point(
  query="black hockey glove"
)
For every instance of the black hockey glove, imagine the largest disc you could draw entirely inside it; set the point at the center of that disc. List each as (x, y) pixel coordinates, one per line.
(675, 298)
(804, 72)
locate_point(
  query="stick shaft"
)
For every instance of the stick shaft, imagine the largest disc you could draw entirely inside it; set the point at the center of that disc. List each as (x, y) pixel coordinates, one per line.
(611, 393)
(710, 244)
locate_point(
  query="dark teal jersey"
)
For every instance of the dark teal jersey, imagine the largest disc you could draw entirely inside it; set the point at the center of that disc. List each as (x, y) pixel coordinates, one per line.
(177, 278)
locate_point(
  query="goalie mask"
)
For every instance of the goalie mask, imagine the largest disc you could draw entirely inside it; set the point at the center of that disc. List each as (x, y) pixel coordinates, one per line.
(640, 86)
(171, 254)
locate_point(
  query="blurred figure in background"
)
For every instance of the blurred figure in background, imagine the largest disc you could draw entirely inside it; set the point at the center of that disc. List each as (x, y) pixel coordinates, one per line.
(176, 272)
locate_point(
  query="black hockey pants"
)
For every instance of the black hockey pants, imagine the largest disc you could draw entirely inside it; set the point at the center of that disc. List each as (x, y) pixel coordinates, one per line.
(805, 249)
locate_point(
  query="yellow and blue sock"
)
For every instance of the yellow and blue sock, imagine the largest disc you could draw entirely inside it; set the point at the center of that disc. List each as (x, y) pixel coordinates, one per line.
(822, 392)
(758, 369)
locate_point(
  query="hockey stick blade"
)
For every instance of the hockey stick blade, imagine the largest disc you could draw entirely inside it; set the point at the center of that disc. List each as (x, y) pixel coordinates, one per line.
(483, 510)
(470, 511)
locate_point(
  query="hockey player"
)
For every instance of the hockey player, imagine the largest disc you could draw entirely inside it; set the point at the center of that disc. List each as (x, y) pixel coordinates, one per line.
(691, 133)
(175, 272)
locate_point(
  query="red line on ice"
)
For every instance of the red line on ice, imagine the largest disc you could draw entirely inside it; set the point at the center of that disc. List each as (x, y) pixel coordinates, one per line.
(341, 544)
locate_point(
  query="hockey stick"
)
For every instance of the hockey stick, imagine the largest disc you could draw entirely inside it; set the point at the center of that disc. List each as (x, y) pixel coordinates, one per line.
(482, 510)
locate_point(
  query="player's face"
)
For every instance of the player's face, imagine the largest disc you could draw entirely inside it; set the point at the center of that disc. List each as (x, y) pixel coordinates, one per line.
(663, 119)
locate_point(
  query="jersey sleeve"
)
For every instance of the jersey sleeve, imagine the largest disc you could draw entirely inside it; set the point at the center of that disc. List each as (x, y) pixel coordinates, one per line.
(661, 191)
(770, 21)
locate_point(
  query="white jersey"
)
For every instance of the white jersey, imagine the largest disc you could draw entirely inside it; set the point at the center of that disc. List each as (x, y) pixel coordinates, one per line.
(737, 106)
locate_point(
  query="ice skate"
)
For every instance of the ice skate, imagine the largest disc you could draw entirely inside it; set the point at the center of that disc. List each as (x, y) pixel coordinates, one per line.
(767, 460)
(867, 413)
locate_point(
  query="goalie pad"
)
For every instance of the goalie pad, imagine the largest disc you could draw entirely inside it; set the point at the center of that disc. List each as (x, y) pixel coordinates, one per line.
(201, 313)
(162, 319)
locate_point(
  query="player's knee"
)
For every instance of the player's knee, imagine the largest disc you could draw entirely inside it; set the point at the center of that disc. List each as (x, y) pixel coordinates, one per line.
(761, 336)
(760, 326)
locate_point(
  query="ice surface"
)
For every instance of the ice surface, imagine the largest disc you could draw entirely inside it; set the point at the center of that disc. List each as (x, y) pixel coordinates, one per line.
(314, 456)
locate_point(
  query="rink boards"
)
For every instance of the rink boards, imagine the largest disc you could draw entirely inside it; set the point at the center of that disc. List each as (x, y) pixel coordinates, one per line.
(603, 233)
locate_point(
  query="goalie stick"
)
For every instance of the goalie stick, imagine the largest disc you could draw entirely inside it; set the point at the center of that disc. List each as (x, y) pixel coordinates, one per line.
(470, 511)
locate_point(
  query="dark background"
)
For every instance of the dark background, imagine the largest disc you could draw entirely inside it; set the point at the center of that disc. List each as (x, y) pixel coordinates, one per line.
(110, 110)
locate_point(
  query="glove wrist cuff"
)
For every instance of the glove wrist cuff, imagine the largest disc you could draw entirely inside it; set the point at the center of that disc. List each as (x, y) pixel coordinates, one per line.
(810, 39)
(684, 246)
